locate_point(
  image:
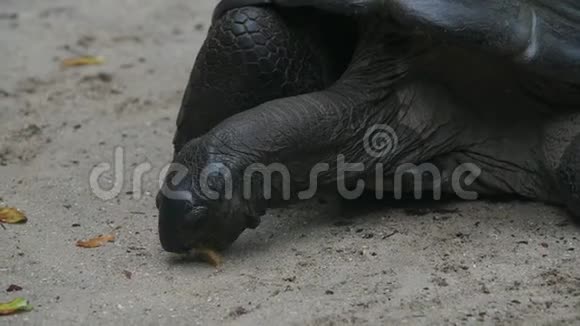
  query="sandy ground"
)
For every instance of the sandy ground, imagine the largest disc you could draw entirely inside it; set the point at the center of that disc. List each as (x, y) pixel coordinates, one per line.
(461, 263)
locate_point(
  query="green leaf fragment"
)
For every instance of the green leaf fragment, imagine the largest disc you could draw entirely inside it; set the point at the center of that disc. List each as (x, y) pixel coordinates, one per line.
(14, 306)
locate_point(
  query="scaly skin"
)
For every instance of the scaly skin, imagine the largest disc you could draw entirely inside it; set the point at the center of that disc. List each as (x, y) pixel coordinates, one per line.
(256, 48)
(448, 103)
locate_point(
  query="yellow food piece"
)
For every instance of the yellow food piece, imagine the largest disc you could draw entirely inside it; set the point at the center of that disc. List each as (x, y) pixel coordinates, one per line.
(209, 256)
(12, 215)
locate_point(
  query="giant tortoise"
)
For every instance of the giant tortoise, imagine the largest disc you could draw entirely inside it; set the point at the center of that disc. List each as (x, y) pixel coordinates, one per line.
(351, 93)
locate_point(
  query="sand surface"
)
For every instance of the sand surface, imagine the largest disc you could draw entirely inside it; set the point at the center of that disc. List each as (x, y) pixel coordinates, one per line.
(459, 263)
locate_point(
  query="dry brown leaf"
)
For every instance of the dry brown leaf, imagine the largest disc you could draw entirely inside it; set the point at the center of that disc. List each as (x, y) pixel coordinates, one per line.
(14, 306)
(128, 274)
(82, 61)
(11, 215)
(209, 256)
(96, 242)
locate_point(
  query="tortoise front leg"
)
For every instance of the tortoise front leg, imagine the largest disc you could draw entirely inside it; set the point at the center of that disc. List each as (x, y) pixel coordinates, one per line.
(253, 55)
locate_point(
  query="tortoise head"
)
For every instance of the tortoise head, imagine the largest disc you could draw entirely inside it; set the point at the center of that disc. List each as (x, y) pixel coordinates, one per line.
(188, 218)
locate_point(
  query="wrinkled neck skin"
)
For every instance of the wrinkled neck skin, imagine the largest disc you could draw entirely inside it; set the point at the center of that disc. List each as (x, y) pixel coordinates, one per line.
(330, 126)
